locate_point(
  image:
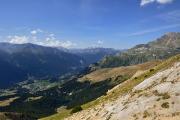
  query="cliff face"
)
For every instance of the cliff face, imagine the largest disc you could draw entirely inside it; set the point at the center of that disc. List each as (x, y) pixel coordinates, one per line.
(156, 98)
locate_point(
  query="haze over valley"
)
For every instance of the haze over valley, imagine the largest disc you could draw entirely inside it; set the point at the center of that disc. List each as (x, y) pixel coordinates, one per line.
(90, 60)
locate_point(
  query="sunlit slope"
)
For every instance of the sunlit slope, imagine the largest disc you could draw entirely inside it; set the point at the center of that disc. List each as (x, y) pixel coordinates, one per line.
(164, 47)
(139, 98)
(129, 71)
(114, 75)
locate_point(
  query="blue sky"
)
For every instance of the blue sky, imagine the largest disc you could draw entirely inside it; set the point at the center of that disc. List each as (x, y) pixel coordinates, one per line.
(87, 23)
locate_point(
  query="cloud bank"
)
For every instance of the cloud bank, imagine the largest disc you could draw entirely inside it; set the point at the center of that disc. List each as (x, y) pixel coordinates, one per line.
(145, 2)
(18, 39)
(36, 31)
(49, 40)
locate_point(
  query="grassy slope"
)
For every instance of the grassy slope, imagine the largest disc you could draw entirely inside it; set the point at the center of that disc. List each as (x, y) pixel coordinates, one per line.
(7, 102)
(120, 89)
(59, 116)
(129, 84)
(105, 73)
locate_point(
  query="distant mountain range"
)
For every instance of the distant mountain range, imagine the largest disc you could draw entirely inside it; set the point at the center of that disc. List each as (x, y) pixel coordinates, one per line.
(43, 97)
(162, 48)
(19, 62)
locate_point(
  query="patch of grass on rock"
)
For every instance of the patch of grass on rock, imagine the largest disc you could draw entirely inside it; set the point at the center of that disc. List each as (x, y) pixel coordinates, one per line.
(76, 109)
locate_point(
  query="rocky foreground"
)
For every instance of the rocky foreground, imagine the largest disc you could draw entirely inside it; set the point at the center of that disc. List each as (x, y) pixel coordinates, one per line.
(156, 98)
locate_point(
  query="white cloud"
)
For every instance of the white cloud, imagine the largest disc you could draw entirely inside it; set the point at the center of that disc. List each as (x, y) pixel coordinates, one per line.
(45, 39)
(18, 39)
(164, 1)
(67, 44)
(97, 43)
(100, 42)
(145, 2)
(53, 42)
(34, 32)
(48, 41)
(51, 35)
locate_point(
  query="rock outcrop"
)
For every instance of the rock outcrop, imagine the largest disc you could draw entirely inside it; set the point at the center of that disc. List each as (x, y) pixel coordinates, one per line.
(156, 98)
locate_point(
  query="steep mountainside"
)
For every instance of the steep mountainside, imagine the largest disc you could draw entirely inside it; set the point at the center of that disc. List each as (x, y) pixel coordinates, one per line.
(100, 82)
(162, 48)
(153, 95)
(128, 71)
(169, 40)
(15, 116)
(42, 98)
(18, 62)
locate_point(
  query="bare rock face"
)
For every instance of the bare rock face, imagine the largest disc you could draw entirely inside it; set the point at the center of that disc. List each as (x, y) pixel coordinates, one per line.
(156, 98)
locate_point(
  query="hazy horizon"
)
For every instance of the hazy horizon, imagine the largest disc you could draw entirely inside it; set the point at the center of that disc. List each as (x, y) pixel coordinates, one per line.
(88, 47)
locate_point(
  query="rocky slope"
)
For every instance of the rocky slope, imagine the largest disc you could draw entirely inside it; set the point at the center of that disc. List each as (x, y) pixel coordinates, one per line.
(31, 97)
(156, 98)
(161, 48)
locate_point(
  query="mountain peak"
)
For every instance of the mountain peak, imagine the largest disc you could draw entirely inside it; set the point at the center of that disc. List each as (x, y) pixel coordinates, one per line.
(172, 33)
(169, 40)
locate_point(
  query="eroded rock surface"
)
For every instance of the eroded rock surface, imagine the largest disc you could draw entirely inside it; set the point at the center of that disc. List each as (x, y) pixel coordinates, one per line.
(156, 98)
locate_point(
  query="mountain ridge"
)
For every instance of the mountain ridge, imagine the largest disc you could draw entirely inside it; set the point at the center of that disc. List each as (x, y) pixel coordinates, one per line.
(162, 48)
(36, 61)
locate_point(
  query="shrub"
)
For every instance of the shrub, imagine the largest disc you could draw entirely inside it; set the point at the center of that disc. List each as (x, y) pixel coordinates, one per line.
(158, 99)
(163, 79)
(155, 92)
(138, 91)
(151, 70)
(165, 96)
(165, 105)
(146, 114)
(76, 109)
(145, 76)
